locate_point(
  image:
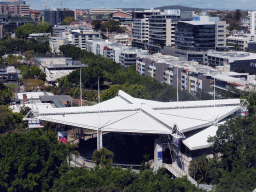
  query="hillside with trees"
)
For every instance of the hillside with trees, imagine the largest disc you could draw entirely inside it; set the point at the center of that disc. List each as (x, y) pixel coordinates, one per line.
(118, 77)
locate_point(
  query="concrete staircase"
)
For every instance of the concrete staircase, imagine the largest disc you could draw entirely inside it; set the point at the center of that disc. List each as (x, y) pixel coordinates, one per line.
(178, 172)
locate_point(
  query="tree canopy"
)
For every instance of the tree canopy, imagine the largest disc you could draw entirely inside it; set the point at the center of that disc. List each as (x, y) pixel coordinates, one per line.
(90, 76)
(117, 179)
(111, 26)
(103, 157)
(24, 30)
(20, 45)
(96, 24)
(233, 167)
(31, 161)
(5, 94)
(10, 121)
(67, 21)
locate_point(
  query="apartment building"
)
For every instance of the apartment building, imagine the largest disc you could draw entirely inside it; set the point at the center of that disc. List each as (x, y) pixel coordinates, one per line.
(191, 76)
(97, 46)
(125, 18)
(153, 28)
(128, 55)
(14, 8)
(15, 22)
(56, 42)
(57, 67)
(241, 40)
(103, 11)
(140, 26)
(57, 31)
(80, 37)
(9, 75)
(199, 56)
(251, 46)
(200, 35)
(76, 35)
(56, 16)
(125, 55)
(239, 61)
(187, 75)
(122, 38)
(113, 51)
(162, 26)
(252, 16)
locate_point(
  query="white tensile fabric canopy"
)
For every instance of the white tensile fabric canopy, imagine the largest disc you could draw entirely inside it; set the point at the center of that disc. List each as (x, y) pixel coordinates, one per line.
(125, 113)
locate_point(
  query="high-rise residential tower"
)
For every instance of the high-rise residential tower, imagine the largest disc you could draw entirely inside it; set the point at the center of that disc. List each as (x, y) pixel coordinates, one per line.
(14, 8)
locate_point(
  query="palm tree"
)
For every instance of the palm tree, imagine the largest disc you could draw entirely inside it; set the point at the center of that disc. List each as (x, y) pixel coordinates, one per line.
(103, 157)
(72, 150)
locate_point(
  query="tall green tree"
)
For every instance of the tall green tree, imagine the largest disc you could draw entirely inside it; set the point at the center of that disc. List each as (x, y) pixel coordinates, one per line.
(10, 121)
(28, 28)
(111, 26)
(96, 24)
(252, 104)
(234, 164)
(5, 94)
(117, 179)
(25, 30)
(67, 21)
(237, 15)
(72, 149)
(90, 76)
(103, 157)
(31, 161)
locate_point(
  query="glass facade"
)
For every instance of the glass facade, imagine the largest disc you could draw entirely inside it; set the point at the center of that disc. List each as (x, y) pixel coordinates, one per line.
(195, 37)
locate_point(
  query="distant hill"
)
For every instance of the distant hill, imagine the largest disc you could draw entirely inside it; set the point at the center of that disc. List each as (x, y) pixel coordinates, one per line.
(133, 9)
(182, 8)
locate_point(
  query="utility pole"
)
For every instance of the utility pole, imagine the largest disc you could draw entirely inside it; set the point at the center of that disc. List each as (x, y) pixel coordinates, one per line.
(80, 89)
(214, 100)
(99, 131)
(177, 85)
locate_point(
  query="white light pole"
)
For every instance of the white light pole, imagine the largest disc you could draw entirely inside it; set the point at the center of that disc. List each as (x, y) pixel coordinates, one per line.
(177, 86)
(80, 89)
(99, 132)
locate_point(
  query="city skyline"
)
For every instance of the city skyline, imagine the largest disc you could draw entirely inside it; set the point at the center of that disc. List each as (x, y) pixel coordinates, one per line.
(96, 4)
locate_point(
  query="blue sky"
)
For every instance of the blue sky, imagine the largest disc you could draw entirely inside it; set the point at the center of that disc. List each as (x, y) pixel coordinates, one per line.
(93, 4)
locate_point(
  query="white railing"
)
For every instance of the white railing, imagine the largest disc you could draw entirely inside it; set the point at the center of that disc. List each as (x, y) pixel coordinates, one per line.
(184, 173)
(179, 169)
(193, 181)
(169, 168)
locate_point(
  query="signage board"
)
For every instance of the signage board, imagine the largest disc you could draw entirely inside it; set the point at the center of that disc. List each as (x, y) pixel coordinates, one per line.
(175, 12)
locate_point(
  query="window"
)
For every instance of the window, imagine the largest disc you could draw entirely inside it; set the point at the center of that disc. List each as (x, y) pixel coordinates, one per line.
(220, 35)
(221, 26)
(220, 39)
(220, 31)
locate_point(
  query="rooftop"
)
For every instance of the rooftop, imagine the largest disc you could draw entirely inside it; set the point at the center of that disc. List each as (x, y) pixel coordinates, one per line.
(233, 55)
(32, 95)
(128, 114)
(198, 22)
(49, 98)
